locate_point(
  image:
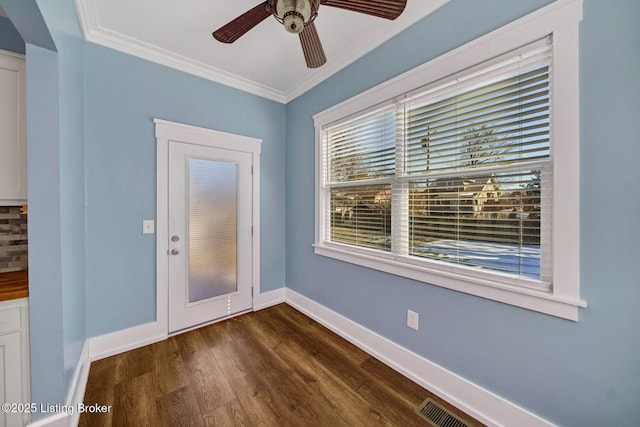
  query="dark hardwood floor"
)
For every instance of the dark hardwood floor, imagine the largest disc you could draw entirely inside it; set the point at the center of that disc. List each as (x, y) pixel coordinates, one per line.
(274, 367)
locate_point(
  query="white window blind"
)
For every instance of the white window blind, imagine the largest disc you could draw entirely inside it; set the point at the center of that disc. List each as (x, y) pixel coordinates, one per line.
(360, 167)
(456, 174)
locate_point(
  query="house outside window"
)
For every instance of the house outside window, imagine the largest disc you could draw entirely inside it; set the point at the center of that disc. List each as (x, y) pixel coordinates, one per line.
(453, 179)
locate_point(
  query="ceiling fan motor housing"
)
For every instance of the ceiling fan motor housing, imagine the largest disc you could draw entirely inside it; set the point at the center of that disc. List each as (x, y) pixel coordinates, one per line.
(298, 17)
(294, 14)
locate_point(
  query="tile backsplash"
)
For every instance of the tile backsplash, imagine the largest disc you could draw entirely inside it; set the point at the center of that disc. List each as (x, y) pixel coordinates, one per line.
(13, 239)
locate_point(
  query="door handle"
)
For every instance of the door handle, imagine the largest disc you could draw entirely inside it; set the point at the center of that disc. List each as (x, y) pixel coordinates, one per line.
(174, 252)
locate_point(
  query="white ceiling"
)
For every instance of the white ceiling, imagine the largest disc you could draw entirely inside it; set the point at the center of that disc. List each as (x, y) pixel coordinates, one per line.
(267, 61)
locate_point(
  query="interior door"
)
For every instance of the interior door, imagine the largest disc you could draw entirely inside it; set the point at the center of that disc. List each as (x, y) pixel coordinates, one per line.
(209, 228)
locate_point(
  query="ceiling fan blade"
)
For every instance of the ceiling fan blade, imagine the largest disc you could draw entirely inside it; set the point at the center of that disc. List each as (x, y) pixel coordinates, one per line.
(311, 47)
(232, 31)
(388, 9)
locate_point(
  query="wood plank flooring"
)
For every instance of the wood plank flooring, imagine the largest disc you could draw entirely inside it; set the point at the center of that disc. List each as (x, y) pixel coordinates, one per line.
(274, 367)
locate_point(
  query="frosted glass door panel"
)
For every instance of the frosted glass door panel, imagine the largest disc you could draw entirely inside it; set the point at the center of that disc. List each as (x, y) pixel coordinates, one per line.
(209, 240)
(212, 219)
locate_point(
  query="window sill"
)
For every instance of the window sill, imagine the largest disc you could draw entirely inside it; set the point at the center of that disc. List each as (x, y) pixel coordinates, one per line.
(531, 299)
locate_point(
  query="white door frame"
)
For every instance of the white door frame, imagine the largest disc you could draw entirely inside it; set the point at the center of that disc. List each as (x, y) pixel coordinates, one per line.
(170, 131)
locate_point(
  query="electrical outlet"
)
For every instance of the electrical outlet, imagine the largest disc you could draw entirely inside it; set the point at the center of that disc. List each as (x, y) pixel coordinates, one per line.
(413, 319)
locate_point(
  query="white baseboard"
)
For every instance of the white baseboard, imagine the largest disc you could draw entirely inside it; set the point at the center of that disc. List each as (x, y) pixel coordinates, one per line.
(113, 343)
(474, 400)
(58, 420)
(74, 398)
(268, 299)
(79, 384)
(138, 336)
(127, 339)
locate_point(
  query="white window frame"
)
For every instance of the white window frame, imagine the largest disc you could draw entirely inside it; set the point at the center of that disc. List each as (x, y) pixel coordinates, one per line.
(560, 19)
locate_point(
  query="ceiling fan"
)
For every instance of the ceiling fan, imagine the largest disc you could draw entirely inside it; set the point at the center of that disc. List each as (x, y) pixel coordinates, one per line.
(298, 17)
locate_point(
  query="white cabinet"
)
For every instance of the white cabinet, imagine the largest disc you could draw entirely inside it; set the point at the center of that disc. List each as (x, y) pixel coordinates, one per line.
(14, 360)
(13, 129)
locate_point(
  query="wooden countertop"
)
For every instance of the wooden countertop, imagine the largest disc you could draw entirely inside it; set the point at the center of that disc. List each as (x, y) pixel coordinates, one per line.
(14, 285)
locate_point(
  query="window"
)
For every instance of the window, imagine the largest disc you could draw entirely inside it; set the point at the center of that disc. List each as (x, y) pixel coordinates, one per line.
(452, 180)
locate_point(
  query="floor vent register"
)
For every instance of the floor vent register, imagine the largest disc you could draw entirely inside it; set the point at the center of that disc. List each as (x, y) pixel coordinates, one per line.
(438, 416)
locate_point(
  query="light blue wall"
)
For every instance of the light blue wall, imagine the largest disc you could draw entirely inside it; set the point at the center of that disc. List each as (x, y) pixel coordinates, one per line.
(27, 18)
(72, 200)
(9, 37)
(574, 374)
(123, 94)
(90, 130)
(56, 195)
(45, 258)
(90, 119)
(47, 337)
(62, 22)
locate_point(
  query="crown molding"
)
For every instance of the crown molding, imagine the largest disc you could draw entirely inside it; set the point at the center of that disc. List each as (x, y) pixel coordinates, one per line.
(93, 32)
(351, 55)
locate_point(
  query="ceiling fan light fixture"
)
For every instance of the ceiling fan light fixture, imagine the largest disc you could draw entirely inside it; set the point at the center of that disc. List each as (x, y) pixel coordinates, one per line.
(294, 14)
(298, 17)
